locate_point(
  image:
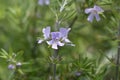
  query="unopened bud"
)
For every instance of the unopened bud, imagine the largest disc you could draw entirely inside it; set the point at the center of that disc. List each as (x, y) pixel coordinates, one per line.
(18, 64)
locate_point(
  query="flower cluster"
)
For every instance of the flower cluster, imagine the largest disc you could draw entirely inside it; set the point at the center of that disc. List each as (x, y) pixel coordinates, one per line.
(55, 39)
(94, 12)
(43, 2)
(59, 38)
(13, 66)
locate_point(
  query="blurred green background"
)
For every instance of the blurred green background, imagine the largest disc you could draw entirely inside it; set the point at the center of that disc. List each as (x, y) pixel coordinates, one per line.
(94, 54)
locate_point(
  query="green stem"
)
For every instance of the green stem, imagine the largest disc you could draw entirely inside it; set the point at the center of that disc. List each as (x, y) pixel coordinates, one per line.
(54, 64)
(54, 71)
(73, 21)
(55, 51)
(118, 55)
(34, 31)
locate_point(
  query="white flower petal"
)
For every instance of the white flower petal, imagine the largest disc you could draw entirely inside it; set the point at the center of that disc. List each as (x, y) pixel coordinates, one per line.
(67, 41)
(60, 44)
(40, 41)
(54, 46)
(50, 42)
(47, 2)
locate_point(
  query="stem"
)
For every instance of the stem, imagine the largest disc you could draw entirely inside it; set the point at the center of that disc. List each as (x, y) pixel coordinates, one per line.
(34, 50)
(54, 64)
(118, 55)
(54, 71)
(34, 31)
(55, 54)
(73, 21)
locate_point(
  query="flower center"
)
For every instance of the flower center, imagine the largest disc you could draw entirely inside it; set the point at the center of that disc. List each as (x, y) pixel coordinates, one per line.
(94, 12)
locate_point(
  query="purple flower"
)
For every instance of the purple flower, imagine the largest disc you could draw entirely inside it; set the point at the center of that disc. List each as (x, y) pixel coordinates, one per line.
(43, 2)
(94, 12)
(11, 66)
(55, 39)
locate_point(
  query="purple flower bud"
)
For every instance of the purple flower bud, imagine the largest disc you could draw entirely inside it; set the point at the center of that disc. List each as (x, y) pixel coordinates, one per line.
(11, 66)
(94, 12)
(78, 73)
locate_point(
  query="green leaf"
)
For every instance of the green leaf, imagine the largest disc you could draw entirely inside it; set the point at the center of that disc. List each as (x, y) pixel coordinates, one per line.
(4, 52)
(5, 57)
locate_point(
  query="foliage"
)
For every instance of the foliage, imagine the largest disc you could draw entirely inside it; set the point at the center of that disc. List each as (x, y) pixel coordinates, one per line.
(92, 58)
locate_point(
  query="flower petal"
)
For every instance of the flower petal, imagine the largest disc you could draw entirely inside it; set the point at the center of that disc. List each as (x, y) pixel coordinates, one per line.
(64, 32)
(56, 35)
(91, 17)
(88, 10)
(67, 40)
(40, 41)
(47, 2)
(54, 46)
(41, 2)
(97, 17)
(50, 42)
(98, 9)
(60, 44)
(46, 32)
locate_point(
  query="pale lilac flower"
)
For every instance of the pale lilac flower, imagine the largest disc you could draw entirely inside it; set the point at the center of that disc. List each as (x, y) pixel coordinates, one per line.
(55, 39)
(94, 12)
(11, 66)
(43, 2)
